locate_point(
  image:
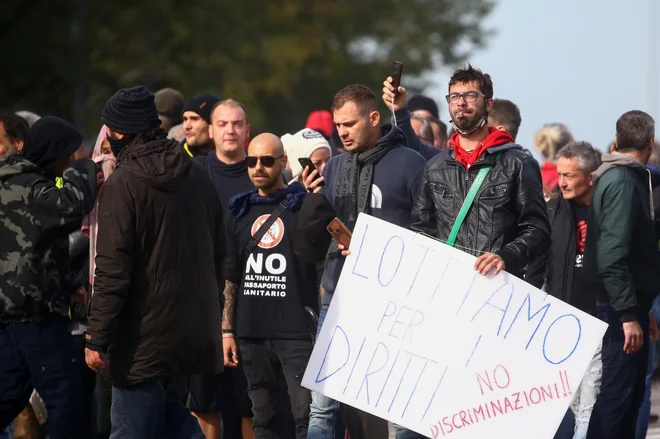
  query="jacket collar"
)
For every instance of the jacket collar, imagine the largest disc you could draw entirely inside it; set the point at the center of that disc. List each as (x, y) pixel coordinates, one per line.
(489, 156)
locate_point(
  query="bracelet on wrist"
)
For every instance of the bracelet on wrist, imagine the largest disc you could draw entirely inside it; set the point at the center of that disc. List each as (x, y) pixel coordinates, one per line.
(227, 335)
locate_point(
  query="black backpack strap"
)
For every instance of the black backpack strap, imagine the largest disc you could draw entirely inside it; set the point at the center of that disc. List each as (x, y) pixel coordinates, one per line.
(252, 243)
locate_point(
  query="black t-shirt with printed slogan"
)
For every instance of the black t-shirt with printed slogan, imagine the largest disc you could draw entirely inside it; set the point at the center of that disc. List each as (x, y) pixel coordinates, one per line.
(582, 287)
(275, 285)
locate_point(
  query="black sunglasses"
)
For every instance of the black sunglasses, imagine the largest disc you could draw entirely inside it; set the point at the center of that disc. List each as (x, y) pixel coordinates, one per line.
(266, 160)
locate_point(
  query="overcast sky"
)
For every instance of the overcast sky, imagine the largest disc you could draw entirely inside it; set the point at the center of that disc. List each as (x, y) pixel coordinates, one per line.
(579, 62)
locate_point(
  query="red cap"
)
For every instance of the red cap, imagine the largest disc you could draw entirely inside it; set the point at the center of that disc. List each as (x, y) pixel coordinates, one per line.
(321, 120)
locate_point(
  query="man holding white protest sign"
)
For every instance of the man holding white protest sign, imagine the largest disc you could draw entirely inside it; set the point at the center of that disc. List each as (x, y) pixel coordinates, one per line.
(483, 195)
(508, 225)
(416, 336)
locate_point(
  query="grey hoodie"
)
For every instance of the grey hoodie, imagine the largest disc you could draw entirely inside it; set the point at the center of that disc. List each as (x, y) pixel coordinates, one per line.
(619, 159)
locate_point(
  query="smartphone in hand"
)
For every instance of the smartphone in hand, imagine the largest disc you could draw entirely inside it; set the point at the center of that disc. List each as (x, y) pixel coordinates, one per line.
(306, 162)
(397, 71)
(340, 232)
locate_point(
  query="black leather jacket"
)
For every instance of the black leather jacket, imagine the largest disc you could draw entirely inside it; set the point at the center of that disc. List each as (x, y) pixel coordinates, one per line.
(508, 216)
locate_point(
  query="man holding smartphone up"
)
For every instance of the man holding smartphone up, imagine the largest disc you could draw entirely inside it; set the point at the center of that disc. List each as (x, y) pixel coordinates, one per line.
(378, 175)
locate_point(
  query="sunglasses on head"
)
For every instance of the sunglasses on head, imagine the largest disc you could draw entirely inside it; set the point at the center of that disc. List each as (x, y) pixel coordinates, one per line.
(266, 160)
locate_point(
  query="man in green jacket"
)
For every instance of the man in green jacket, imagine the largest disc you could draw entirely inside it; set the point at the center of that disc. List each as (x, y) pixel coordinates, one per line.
(621, 249)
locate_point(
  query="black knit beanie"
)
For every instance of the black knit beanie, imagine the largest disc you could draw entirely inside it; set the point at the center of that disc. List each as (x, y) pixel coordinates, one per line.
(421, 102)
(131, 111)
(202, 105)
(50, 141)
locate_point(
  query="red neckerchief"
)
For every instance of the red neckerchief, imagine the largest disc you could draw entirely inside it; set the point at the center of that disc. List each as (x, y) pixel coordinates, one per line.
(495, 138)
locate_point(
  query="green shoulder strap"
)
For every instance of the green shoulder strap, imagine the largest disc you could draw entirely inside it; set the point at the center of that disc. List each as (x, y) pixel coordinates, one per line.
(481, 176)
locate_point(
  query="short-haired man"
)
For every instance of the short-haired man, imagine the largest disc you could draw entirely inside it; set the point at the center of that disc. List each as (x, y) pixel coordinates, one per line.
(379, 176)
(229, 130)
(225, 396)
(563, 271)
(505, 116)
(268, 318)
(423, 128)
(196, 121)
(507, 224)
(13, 132)
(622, 249)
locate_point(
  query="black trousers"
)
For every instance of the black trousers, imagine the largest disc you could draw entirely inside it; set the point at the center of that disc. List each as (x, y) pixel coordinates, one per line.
(624, 382)
(40, 356)
(274, 371)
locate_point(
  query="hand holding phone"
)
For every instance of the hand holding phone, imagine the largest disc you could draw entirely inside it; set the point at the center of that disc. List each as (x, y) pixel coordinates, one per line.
(340, 232)
(307, 163)
(397, 71)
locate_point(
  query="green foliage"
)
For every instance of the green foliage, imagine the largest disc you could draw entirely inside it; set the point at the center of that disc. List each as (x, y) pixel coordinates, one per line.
(282, 58)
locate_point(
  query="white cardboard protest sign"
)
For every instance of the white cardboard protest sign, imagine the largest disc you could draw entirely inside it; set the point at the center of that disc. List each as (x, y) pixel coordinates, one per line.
(414, 335)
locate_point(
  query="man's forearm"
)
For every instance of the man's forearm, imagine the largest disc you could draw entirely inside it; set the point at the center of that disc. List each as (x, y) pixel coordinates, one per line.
(229, 313)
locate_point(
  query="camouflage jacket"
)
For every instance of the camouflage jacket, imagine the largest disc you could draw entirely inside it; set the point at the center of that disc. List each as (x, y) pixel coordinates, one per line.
(35, 220)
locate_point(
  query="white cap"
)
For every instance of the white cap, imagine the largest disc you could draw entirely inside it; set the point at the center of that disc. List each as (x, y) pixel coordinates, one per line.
(302, 144)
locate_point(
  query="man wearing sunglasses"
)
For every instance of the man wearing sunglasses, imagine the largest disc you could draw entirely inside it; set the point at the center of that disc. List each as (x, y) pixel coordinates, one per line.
(274, 286)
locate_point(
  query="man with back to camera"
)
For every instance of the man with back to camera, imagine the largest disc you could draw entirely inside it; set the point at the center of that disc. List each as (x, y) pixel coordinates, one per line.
(36, 288)
(504, 115)
(158, 286)
(622, 249)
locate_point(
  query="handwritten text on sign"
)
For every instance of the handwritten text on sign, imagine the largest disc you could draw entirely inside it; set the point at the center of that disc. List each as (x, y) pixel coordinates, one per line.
(414, 335)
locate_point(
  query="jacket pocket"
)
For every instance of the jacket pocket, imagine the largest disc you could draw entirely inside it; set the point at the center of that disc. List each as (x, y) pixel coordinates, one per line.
(443, 201)
(498, 192)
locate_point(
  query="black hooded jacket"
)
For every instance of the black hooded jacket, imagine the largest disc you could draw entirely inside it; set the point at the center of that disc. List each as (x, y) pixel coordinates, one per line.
(35, 219)
(158, 282)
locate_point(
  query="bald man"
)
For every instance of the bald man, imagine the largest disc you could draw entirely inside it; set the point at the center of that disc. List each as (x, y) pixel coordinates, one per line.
(269, 323)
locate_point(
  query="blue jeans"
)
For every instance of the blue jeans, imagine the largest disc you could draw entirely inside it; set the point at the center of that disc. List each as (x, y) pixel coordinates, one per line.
(645, 408)
(324, 417)
(153, 410)
(623, 384)
(8, 433)
(40, 356)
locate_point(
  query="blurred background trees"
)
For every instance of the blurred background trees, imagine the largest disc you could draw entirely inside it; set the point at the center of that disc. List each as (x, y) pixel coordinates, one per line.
(282, 58)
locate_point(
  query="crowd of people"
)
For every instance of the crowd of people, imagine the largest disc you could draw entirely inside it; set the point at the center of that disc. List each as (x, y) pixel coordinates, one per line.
(166, 282)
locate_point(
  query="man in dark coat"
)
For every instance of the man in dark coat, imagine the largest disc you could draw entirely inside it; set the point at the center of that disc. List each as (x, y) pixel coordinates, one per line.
(36, 348)
(157, 307)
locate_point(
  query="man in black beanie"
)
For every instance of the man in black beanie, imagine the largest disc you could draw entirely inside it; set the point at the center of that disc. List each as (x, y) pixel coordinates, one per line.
(36, 347)
(196, 121)
(156, 308)
(426, 107)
